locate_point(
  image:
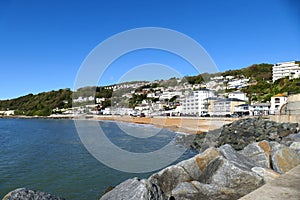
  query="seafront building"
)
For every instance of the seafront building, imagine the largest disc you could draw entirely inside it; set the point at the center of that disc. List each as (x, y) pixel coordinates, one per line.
(169, 95)
(195, 102)
(242, 109)
(238, 95)
(225, 107)
(259, 109)
(277, 103)
(286, 69)
(7, 113)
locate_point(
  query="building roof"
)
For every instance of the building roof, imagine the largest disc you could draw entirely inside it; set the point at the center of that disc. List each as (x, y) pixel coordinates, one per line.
(236, 92)
(261, 104)
(242, 105)
(280, 95)
(231, 99)
(213, 98)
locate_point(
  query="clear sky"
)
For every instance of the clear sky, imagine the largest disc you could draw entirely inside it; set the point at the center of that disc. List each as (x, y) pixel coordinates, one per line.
(43, 43)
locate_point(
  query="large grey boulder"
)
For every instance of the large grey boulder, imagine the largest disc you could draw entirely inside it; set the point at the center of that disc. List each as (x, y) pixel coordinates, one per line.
(187, 170)
(205, 158)
(268, 175)
(236, 158)
(135, 189)
(259, 153)
(195, 190)
(191, 167)
(283, 158)
(27, 194)
(228, 174)
(168, 178)
(295, 146)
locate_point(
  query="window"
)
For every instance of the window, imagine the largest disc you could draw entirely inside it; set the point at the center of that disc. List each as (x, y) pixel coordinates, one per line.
(277, 100)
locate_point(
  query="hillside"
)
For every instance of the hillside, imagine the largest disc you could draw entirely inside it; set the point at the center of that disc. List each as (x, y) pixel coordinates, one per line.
(261, 89)
(259, 72)
(256, 71)
(40, 104)
(260, 75)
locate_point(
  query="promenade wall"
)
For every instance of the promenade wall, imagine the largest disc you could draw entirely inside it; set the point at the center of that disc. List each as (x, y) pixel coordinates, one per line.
(285, 118)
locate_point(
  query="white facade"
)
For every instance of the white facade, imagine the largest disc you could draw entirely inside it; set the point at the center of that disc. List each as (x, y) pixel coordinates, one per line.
(223, 107)
(152, 95)
(195, 103)
(7, 112)
(259, 109)
(107, 111)
(169, 95)
(84, 99)
(241, 109)
(277, 102)
(238, 95)
(99, 100)
(284, 69)
(238, 83)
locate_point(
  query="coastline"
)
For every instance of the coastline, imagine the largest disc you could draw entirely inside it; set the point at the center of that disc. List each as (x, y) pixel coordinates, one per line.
(189, 125)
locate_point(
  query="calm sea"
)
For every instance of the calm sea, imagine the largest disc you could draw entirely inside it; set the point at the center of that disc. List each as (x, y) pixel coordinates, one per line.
(48, 155)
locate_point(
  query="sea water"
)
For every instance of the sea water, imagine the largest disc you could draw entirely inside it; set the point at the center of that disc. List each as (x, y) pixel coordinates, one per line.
(48, 155)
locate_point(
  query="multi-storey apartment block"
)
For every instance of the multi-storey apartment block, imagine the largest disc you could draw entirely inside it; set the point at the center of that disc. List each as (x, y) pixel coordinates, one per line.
(284, 69)
(195, 102)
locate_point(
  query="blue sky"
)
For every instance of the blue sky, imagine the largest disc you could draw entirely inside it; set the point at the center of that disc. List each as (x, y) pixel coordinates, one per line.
(43, 43)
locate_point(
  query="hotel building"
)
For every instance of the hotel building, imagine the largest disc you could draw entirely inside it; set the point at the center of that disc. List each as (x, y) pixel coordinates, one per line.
(284, 69)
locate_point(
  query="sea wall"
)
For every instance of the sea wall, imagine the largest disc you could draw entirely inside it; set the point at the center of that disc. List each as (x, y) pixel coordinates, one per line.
(284, 118)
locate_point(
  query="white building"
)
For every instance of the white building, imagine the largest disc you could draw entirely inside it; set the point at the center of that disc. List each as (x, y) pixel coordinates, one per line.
(277, 102)
(242, 109)
(152, 95)
(284, 69)
(224, 107)
(84, 99)
(259, 109)
(99, 100)
(7, 112)
(238, 83)
(107, 111)
(238, 95)
(195, 102)
(169, 95)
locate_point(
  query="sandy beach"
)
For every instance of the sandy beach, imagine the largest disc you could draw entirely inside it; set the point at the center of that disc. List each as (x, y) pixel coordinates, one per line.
(192, 125)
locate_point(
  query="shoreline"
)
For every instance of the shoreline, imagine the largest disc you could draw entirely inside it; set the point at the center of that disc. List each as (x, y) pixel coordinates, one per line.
(188, 125)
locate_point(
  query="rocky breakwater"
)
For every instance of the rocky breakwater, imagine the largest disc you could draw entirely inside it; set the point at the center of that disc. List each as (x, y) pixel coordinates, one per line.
(26, 194)
(216, 173)
(245, 131)
(233, 161)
